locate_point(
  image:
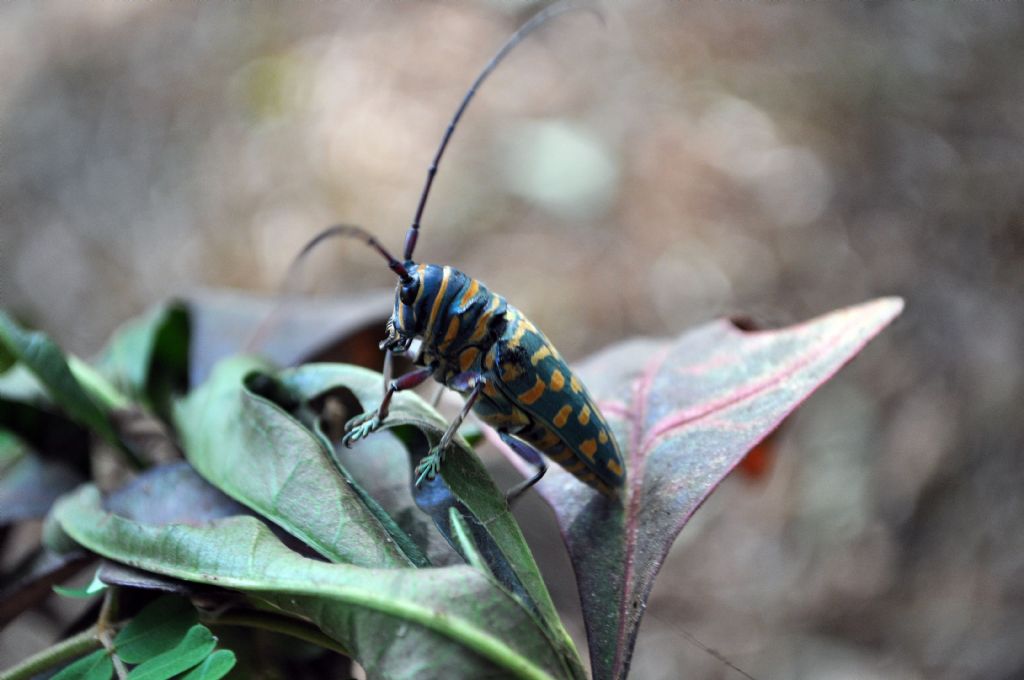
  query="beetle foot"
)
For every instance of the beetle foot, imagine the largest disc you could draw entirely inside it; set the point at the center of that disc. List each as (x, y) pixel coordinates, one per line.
(361, 426)
(429, 466)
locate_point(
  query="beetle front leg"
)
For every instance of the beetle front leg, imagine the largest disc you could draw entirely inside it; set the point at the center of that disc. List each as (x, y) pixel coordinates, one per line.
(366, 423)
(431, 463)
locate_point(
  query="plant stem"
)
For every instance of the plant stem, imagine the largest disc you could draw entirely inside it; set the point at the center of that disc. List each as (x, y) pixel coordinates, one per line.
(276, 624)
(103, 628)
(63, 651)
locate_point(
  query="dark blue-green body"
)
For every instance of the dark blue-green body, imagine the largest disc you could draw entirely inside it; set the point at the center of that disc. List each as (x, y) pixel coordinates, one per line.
(472, 336)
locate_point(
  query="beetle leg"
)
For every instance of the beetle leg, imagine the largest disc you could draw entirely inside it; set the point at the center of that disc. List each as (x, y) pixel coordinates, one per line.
(365, 423)
(431, 463)
(437, 395)
(531, 456)
(387, 371)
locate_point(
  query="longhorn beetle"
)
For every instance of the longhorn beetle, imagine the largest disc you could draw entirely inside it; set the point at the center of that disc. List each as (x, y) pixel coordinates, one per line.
(476, 343)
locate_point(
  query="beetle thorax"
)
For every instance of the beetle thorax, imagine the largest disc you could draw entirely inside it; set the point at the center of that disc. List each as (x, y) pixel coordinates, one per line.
(446, 309)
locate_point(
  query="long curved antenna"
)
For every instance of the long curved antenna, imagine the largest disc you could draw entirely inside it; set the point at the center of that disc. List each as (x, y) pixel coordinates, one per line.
(542, 17)
(350, 231)
(347, 230)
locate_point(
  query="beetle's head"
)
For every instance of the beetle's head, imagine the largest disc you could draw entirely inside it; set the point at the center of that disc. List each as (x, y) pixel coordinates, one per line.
(406, 322)
(417, 303)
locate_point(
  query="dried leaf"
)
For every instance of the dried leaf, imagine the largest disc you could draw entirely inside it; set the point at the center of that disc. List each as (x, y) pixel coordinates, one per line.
(685, 412)
(285, 331)
(30, 486)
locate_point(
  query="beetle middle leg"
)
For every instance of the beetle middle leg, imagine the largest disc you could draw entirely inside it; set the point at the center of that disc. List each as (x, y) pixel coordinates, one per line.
(431, 463)
(437, 395)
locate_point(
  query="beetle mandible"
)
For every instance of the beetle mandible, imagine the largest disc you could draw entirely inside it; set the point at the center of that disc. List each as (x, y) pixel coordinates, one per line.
(476, 343)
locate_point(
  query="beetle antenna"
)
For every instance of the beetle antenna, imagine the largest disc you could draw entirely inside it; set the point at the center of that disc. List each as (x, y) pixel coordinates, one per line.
(350, 231)
(539, 19)
(347, 230)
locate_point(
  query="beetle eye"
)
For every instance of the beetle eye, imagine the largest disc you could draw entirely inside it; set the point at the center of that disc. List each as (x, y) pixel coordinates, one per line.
(408, 293)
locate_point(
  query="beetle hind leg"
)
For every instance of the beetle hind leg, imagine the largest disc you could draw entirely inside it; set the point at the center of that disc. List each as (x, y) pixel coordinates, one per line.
(531, 456)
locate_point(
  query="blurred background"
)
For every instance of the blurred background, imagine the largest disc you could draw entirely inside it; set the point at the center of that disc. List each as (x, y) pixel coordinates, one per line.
(682, 162)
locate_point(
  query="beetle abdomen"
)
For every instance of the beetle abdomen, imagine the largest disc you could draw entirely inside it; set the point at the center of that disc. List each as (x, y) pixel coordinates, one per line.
(566, 423)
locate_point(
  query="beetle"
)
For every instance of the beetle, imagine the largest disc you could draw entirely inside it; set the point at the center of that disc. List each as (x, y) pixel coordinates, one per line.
(476, 343)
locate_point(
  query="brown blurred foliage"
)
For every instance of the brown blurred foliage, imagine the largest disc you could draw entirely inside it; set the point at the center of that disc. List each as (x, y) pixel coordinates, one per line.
(689, 159)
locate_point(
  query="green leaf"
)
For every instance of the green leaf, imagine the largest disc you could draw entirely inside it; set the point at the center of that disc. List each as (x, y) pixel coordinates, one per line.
(147, 358)
(7, 358)
(95, 586)
(462, 470)
(495, 530)
(685, 412)
(214, 667)
(11, 449)
(33, 423)
(261, 456)
(158, 628)
(47, 362)
(193, 648)
(96, 666)
(21, 385)
(398, 623)
(380, 467)
(466, 545)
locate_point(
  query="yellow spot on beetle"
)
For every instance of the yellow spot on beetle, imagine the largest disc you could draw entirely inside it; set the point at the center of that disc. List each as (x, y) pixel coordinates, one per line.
(489, 390)
(511, 371)
(548, 440)
(467, 358)
(518, 335)
(557, 380)
(489, 360)
(562, 417)
(615, 468)
(484, 320)
(589, 448)
(533, 394)
(603, 437)
(575, 384)
(539, 355)
(584, 416)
